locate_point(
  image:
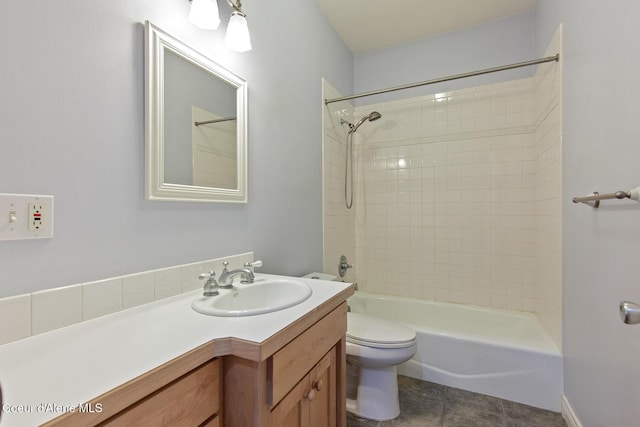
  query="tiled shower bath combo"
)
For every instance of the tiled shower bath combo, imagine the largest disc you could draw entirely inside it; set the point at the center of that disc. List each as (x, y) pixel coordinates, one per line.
(457, 199)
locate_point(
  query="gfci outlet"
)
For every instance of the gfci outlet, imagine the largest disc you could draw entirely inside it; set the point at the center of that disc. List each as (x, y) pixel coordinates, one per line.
(26, 216)
(37, 216)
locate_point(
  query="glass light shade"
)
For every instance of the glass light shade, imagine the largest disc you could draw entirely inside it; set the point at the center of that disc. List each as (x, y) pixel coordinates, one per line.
(237, 37)
(204, 14)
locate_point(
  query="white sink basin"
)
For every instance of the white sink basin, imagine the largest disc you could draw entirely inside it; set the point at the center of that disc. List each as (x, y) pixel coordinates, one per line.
(263, 296)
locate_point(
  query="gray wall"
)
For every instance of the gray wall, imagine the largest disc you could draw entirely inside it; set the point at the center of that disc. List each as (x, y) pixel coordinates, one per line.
(72, 125)
(499, 42)
(601, 247)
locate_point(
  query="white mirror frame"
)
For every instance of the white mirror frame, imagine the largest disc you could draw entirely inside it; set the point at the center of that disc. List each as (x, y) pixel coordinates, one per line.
(156, 41)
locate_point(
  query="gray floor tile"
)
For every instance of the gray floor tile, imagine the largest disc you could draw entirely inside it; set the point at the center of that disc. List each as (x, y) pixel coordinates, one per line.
(355, 421)
(412, 386)
(416, 410)
(464, 408)
(453, 420)
(519, 415)
(425, 404)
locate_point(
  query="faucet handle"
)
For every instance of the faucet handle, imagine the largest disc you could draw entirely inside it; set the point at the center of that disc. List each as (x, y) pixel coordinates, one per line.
(211, 287)
(225, 264)
(209, 275)
(253, 264)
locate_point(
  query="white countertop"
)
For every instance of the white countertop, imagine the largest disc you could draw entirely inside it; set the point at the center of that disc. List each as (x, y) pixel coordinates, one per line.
(72, 365)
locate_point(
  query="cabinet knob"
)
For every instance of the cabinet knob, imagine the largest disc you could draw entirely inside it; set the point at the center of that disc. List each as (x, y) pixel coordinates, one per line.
(318, 385)
(311, 394)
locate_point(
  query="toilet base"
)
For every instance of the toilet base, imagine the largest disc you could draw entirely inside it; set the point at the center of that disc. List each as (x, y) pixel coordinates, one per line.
(377, 393)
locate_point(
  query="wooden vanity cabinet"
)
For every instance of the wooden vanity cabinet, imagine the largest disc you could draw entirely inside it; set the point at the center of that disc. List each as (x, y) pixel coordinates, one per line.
(186, 391)
(191, 400)
(295, 378)
(302, 383)
(312, 402)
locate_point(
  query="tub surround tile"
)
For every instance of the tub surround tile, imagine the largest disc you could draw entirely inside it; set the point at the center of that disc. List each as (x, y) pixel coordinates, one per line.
(15, 318)
(55, 308)
(101, 298)
(477, 171)
(468, 181)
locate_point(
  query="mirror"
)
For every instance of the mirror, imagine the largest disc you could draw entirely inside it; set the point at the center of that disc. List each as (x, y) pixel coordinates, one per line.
(196, 125)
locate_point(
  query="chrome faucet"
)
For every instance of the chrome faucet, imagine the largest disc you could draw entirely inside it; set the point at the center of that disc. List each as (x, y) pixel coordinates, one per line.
(226, 277)
(211, 286)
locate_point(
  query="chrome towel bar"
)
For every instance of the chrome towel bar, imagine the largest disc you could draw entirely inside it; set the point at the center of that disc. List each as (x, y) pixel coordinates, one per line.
(596, 197)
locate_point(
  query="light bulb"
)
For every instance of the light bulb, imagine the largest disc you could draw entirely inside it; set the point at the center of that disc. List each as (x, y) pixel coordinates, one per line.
(237, 37)
(204, 14)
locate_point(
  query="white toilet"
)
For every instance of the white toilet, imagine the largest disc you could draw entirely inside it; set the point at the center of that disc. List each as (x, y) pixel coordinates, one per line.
(374, 348)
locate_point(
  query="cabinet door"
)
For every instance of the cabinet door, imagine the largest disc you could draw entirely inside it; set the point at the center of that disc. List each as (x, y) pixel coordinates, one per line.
(312, 402)
(293, 409)
(322, 407)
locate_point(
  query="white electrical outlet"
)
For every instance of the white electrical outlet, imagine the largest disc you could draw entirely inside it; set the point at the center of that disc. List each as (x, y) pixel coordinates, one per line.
(37, 216)
(25, 216)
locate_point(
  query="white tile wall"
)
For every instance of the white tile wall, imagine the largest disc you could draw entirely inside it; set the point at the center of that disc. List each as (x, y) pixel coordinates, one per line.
(442, 209)
(457, 196)
(30, 314)
(339, 222)
(548, 192)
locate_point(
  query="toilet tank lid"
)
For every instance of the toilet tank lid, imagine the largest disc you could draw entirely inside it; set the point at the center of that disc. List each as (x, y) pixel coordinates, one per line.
(375, 330)
(320, 276)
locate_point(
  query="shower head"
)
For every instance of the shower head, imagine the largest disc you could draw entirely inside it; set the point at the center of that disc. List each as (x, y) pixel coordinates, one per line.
(373, 116)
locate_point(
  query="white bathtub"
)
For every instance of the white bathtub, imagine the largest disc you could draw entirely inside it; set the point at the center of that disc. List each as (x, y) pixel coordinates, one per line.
(501, 353)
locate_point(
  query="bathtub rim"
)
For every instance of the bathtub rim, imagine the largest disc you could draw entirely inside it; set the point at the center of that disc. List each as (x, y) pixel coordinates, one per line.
(550, 347)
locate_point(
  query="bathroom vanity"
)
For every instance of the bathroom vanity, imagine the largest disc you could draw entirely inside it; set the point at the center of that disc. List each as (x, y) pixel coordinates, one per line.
(295, 376)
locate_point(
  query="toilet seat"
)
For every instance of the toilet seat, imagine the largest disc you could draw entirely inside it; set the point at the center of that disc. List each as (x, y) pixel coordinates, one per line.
(373, 332)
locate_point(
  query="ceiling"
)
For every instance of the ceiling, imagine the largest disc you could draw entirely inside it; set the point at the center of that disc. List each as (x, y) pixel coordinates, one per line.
(367, 25)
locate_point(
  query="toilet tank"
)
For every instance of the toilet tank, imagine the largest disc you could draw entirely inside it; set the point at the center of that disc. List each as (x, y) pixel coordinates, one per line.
(320, 276)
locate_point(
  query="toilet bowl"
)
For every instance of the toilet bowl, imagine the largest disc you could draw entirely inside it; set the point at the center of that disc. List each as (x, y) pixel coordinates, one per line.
(374, 347)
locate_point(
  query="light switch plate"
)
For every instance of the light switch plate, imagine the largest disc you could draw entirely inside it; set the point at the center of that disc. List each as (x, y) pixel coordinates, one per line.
(26, 216)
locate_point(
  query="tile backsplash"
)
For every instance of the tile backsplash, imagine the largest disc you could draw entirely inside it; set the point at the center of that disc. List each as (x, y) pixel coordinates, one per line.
(30, 314)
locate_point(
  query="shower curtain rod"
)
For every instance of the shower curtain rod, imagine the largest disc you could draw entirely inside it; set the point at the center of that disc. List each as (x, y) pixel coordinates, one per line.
(555, 58)
(208, 122)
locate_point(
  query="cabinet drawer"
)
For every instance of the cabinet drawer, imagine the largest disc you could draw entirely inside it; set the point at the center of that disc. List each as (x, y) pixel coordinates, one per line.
(189, 400)
(295, 360)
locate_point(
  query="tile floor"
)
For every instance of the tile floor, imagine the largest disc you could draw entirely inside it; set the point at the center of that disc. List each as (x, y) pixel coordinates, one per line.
(425, 404)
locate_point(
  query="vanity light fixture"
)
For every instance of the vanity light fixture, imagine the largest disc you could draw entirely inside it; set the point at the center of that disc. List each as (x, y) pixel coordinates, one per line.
(237, 37)
(204, 14)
